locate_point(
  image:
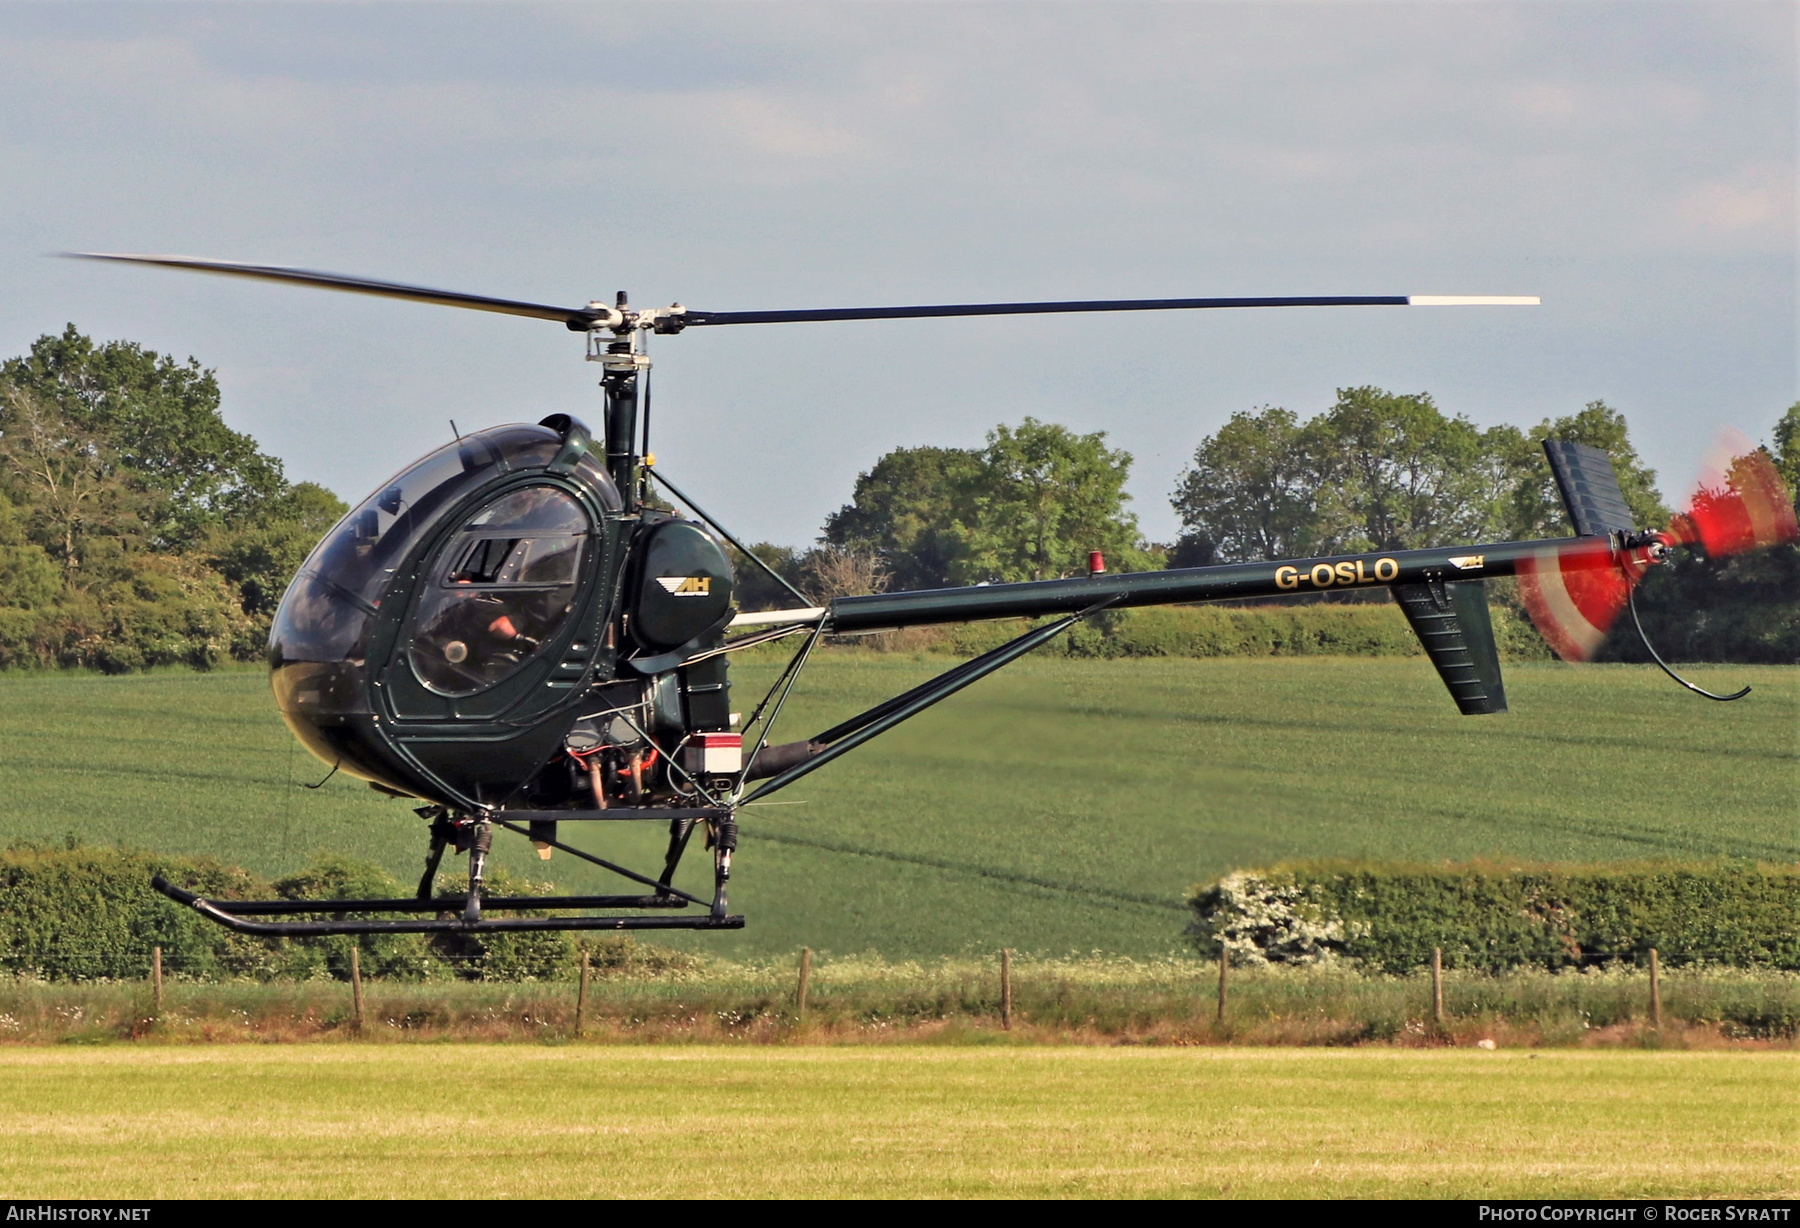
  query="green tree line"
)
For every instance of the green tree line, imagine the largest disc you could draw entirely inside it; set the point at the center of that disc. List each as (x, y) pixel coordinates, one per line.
(1376, 470)
(136, 527)
(1388, 471)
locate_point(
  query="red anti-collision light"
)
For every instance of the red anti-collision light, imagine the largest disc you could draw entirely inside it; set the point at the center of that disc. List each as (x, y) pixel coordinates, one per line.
(1096, 563)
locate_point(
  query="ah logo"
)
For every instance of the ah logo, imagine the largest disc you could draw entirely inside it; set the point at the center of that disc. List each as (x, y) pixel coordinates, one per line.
(686, 586)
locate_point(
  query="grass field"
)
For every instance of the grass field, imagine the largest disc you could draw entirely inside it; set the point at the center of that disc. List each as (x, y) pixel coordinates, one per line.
(457, 1121)
(1063, 805)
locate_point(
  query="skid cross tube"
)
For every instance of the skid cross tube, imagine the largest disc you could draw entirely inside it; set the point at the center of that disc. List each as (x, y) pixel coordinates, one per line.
(607, 865)
(622, 813)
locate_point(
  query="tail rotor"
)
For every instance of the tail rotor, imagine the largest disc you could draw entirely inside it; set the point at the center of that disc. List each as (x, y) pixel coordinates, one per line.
(1575, 592)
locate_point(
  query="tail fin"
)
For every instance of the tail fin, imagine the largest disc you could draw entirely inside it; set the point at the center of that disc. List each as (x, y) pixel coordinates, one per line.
(1589, 487)
(1574, 591)
(1451, 621)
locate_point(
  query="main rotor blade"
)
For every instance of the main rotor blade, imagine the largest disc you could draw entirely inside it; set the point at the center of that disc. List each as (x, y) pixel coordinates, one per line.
(693, 319)
(574, 317)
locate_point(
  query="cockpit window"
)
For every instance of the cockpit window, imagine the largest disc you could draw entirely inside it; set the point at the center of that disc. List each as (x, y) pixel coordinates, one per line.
(360, 556)
(318, 638)
(539, 507)
(502, 588)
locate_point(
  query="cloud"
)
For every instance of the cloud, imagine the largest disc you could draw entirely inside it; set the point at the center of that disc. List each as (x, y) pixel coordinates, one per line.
(1632, 163)
(1758, 202)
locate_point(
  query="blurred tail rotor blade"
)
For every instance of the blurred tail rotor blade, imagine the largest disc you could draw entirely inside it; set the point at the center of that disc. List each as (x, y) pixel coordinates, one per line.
(1574, 594)
(1742, 504)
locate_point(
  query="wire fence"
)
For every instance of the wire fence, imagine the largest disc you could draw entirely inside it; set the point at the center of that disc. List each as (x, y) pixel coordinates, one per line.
(806, 995)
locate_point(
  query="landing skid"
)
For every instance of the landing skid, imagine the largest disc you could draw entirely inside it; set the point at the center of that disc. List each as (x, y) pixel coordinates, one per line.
(463, 914)
(233, 913)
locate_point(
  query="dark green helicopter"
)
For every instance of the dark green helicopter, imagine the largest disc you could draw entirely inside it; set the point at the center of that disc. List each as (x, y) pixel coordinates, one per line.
(510, 633)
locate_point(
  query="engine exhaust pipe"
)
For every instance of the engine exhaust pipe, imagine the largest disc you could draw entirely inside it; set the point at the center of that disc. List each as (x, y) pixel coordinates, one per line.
(774, 760)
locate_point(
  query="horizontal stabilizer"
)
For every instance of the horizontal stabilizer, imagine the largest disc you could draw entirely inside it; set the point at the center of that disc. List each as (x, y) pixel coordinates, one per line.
(1452, 622)
(1590, 488)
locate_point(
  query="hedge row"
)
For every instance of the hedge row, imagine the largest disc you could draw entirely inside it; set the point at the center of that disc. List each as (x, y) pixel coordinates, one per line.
(1389, 917)
(83, 914)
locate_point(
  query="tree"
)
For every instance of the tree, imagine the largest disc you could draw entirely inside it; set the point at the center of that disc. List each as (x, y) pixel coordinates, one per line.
(1029, 505)
(1387, 471)
(31, 584)
(1250, 492)
(171, 536)
(158, 420)
(1191, 549)
(1378, 471)
(1395, 473)
(753, 588)
(261, 558)
(1535, 509)
(1042, 498)
(829, 572)
(67, 480)
(903, 510)
(1785, 447)
(29, 578)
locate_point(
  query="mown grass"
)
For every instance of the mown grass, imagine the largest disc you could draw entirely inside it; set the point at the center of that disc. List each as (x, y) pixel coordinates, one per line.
(459, 1121)
(1061, 806)
(862, 1000)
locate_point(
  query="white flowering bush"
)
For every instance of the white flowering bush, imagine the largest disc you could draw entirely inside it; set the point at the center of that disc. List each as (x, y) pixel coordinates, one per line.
(1269, 919)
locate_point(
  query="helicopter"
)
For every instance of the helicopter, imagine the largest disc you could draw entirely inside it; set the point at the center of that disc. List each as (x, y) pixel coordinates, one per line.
(514, 633)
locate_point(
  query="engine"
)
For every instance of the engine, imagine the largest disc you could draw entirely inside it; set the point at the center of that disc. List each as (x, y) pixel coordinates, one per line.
(661, 733)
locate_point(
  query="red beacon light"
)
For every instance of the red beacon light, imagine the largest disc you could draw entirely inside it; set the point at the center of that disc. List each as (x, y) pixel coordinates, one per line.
(1096, 563)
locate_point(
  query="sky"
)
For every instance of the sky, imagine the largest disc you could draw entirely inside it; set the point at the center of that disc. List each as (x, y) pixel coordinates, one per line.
(1633, 164)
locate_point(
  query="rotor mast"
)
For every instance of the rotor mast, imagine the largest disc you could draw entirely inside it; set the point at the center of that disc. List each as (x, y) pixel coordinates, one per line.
(621, 358)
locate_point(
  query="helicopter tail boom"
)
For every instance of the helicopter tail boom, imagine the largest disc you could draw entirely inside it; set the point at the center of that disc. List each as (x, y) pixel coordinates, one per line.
(1181, 586)
(1441, 592)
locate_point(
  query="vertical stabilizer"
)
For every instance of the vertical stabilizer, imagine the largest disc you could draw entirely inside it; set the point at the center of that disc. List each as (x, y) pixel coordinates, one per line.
(1590, 488)
(1451, 621)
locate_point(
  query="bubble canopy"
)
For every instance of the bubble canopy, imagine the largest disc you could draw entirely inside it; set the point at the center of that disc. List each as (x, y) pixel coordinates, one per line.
(319, 637)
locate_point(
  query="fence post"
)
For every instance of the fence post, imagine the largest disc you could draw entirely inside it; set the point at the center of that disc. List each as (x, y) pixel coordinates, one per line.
(1224, 968)
(156, 980)
(805, 976)
(1437, 986)
(581, 993)
(1655, 990)
(1006, 988)
(356, 1009)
